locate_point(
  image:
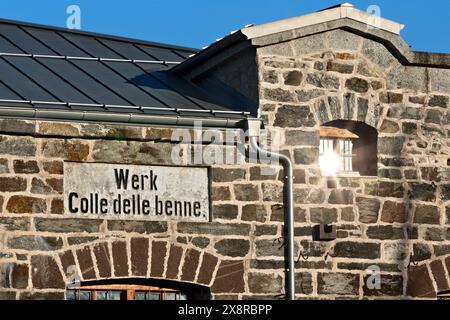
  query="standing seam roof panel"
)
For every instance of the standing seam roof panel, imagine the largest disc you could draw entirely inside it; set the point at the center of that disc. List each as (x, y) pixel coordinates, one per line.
(23, 41)
(151, 85)
(91, 46)
(56, 42)
(128, 51)
(118, 84)
(189, 90)
(27, 88)
(52, 83)
(6, 93)
(160, 53)
(91, 87)
(7, 46)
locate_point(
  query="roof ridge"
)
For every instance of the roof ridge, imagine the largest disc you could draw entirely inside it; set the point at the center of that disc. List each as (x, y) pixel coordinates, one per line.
(97, 35)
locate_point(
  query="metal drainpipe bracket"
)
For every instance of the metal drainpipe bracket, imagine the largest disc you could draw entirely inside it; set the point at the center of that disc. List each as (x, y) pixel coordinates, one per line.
(254, 126)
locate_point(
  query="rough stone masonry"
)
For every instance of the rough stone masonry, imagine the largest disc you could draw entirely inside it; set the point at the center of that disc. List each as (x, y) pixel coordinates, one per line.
(398, 220)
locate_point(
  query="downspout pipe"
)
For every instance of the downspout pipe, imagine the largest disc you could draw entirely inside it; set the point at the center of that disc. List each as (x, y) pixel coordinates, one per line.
(254, 127)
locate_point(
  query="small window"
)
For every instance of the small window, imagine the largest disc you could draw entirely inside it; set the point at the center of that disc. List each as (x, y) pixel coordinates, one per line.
(336, 151)
(348, 148)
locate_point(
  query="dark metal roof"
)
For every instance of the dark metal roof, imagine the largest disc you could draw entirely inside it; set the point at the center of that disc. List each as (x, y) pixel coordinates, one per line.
(51, 68)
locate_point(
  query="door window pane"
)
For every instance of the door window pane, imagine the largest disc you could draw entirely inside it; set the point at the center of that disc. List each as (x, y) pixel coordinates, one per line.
(84, 295)
(171, 296)
(114, 295)
(102, 295)
(71, 295)
(140, 296)
(153, 296)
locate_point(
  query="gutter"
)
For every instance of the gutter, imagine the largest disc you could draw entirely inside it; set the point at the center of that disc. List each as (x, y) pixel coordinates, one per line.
(218, 121)
(254, 126)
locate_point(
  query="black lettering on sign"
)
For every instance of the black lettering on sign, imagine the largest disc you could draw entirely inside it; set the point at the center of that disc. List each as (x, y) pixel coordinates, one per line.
(84, 205)
(121, 178)
(168, 208)
(187, 209)
(158, 206)
(197, 212)
(104, 206)
(146, 207)
(117, 205)
(72, 195)
(153, 178)
(126, 206)
(135, 181)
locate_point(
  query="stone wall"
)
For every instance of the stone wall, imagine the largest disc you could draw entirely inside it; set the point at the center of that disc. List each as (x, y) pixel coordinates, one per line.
(39, 243)
(398, 220)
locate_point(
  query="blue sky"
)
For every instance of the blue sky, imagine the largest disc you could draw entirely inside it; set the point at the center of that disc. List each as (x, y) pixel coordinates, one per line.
(196, 23)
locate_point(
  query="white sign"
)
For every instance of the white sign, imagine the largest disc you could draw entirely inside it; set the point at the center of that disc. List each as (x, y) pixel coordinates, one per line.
(139, 192)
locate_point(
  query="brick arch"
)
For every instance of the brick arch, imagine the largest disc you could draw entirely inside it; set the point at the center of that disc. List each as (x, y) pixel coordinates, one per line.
(428, 279)
(141, 257)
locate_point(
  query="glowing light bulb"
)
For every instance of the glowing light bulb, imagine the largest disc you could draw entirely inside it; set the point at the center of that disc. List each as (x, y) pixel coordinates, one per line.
(329, 163)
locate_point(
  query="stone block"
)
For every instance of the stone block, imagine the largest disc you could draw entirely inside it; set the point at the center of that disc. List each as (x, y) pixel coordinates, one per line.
(13, 224)
(419, 283)
(147, 227)
(190, 265)
(368, 209)
(139, 256)
(426, 214)
(254, 212)
(67, 225)
(385, 232)
(23, 166)
(14, 184)
(232, 247)
(71, 150)
(265, 283)
(357, 84)
(323, 80)
(35, 243)
(214, 228)
(323, 215)
(394, 212)
(228, 175)
(229, 277)
(338, 283)
(391, 285)
(341, 196)
(292, 78)
(294, 116)
(306, 156)
(25, 147)
(357, 250)
(225, 211)
(246, 192)
(45, 273)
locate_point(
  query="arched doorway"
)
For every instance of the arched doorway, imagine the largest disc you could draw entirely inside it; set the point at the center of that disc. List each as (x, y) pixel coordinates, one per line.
(137, 289)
